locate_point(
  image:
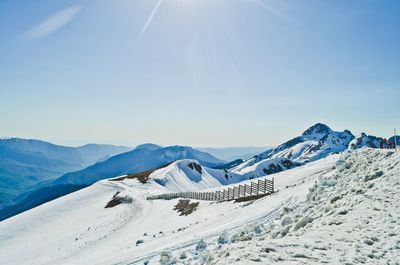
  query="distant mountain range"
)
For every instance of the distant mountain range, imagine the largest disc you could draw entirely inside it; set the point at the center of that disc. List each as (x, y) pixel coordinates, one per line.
(234, 153)
(137, 160)
(24, 163)
(143, 157)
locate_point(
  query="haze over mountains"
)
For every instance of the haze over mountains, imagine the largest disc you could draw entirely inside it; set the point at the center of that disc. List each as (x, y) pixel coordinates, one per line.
(233, 153)
(28, 168)
(321, 178)
(26, 162)
(34, 172)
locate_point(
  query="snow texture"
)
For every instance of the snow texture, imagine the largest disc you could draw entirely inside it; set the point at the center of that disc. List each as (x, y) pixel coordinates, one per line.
(342, 209)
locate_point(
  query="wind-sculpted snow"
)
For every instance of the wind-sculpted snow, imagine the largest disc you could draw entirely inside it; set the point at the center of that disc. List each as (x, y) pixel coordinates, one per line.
(342, 209)
(350, 216)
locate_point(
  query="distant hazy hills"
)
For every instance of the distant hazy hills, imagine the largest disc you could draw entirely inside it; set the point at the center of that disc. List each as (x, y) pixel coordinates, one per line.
(25, 163)
(143, 157)
(33, 172)
(137, 160)
(234, 153)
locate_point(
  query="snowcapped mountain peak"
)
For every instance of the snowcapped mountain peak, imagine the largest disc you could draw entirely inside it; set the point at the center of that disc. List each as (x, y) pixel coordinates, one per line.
(318, 128)
(186, 174)
(315, 143)
(364, 140)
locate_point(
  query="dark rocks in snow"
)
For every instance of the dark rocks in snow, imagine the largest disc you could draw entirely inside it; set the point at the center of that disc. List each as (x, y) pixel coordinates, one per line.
(118, 199)
(272, 169)
(195, 166)
(343, 212)
(368, 242)
(223, 238)
(268, 250)
(201, 245)
(375, 175)
(184, 207)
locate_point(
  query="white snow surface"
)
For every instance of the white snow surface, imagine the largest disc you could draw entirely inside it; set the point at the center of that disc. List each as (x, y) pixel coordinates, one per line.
(343, 208)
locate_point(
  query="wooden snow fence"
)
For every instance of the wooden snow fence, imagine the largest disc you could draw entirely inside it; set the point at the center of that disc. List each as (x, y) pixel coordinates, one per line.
(256, 188)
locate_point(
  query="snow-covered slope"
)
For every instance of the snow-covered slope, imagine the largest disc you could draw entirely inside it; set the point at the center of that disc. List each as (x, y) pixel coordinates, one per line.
(187, 175)
(315, 143)
(340, 209)
(190, 175)
(350, 216)
(83, 231)
(142, 158)
(266, 167)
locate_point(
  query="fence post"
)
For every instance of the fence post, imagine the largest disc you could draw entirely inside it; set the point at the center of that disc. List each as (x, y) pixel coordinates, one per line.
(265, 186)
(273, 186)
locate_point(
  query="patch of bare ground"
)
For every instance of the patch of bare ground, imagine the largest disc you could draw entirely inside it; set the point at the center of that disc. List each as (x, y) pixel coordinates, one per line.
(184, 207)
(143, 177)
(117, 199)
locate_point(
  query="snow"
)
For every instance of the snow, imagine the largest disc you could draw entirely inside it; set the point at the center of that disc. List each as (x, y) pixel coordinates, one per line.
(350, 216)
(261, 168)
(180, 177)
(315, 143)
(364, 140)
(71, 216)
(339, 209)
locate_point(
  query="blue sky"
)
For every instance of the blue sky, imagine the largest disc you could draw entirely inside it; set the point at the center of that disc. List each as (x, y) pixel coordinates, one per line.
(202, 73)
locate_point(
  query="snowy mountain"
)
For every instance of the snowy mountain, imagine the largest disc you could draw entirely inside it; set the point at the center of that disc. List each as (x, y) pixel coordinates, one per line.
(267, 167)
(322, 214)
(364, 140)
(137, 160)
(315, 143)
(27, 162)
(140, 159)
(190, 175)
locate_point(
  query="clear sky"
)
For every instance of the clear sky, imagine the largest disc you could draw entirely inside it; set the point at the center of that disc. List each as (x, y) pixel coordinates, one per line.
(197, 72)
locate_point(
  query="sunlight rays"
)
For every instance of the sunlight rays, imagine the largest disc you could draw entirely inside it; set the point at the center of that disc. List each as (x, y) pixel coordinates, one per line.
(150, 18)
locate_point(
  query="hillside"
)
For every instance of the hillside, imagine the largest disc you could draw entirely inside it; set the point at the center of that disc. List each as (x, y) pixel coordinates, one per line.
(299, 224)
(142, 158)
